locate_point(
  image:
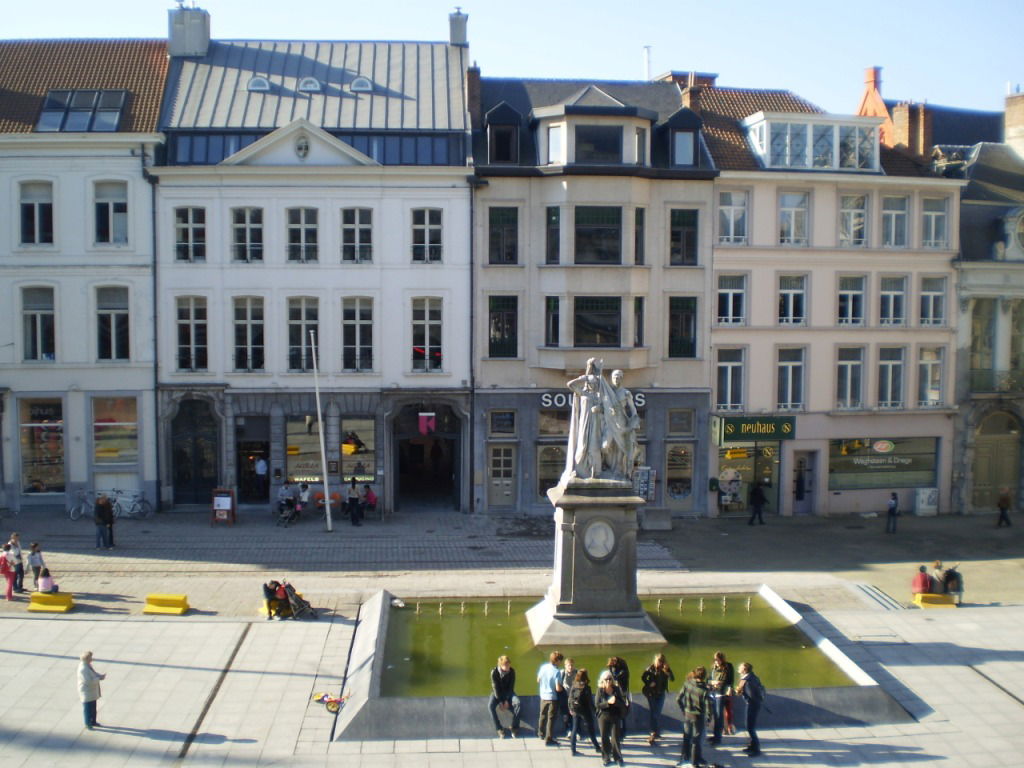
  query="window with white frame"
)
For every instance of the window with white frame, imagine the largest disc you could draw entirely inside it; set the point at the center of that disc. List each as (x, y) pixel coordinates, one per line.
(555, 145)
(790, 379)
(356, 235)
(37, 322)
(792, 299)
(788, 145)
(249, 334)
(890, 377)
(190, 234)
(823, 146)
(850, 378)
(856, 147)
(426, 235)
(192, 336)
(929, 377)
(894, 221)
(111, 209)
(851, 300)
(247, 234)
(112, 323)
(684, 147)
(793, 211)
(732, 290)
(598, 144)
(597, 321)
(732, 217)
(933, 301)
(303, 317)
(302, 234)
(934, 218)
(729, 394)
(853, 221)
(640, 146)
(36, 198)
(426, 334)
(892, 303)
(357, 333)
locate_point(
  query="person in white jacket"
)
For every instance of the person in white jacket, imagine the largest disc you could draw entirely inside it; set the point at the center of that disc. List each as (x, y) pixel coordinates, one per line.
(88, 688)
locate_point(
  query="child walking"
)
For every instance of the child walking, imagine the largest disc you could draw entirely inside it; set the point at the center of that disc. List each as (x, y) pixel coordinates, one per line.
(36, 562)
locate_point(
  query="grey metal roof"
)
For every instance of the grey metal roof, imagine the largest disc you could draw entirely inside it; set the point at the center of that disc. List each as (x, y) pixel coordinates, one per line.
(416, 86)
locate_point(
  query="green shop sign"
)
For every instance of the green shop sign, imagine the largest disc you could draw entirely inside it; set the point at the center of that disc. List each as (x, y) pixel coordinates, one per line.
(736, 429)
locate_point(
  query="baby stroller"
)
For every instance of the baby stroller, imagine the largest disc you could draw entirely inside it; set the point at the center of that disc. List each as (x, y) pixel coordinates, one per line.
(287, 512)
(299, 606)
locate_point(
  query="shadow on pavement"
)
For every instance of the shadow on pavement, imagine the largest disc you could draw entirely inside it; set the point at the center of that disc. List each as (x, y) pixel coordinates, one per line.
(159, 734)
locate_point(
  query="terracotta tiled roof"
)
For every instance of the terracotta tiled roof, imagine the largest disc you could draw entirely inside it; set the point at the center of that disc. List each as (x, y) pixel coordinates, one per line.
(722, 109)
(30, 68)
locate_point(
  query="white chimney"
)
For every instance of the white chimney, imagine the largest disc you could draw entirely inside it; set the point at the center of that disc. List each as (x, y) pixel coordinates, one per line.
(457, 26)
(188, 31)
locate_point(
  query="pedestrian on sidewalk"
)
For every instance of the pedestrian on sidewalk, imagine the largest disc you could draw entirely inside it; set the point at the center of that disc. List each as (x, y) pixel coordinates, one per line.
(103, 517)
(611, 712)
(18, 562)
(656, 679)
(88, 688)
(354, 507)
(892, 511)
(720, 684)
(694, 702)
(754, 694)
(1004, 507)
(549, 681)
(757, 499)
(36, 563)
(619, 670)
(581, 706)
(568, 678)
(7, 570)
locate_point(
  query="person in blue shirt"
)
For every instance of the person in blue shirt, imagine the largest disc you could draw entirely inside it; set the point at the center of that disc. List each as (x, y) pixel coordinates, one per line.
(549, 680)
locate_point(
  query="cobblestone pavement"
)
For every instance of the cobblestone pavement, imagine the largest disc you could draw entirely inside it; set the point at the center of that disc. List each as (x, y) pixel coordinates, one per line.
(222, 687)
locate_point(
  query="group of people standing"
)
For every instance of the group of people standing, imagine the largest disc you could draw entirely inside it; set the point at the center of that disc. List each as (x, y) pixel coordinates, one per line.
(12, 567)
(567, 704)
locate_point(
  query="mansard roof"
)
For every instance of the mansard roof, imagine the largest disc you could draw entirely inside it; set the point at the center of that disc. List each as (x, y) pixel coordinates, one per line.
(415, 86)
(31, 68)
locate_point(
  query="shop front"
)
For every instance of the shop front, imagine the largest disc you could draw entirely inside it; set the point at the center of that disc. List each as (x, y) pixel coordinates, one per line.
(521, 448)
(749, 454)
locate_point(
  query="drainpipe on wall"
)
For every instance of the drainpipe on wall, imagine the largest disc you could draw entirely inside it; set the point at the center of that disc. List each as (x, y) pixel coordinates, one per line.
(153, 181)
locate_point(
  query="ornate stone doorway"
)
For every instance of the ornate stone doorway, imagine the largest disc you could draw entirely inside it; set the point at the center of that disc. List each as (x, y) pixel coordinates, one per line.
(996, 458)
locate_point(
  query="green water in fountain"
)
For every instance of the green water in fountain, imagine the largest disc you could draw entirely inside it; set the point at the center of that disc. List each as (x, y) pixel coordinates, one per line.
(451, 652)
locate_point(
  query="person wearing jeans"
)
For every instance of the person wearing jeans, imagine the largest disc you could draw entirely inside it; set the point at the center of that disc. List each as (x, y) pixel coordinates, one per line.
(721, 684)
(549, 682)
(88, 688)
(103, 516)
(503, 694)
(753, 692)
(656, 679)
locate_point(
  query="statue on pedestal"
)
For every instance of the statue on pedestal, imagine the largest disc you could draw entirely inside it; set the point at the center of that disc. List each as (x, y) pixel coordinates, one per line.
(602, 427)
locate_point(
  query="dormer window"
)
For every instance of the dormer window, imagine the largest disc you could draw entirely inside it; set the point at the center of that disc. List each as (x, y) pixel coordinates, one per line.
(82, 111)
(598, 144)
(502, 144)
(309, 85)
(360, 85)
(814, 141)
(684, 145)
(258, 84)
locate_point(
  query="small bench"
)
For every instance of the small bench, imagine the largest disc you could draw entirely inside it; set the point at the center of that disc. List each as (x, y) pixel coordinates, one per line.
(175, 605)
(932, 600)
(51, 602)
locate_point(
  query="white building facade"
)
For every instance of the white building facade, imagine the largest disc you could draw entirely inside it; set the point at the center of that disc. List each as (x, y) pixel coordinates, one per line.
(315, 187)
(76, 265)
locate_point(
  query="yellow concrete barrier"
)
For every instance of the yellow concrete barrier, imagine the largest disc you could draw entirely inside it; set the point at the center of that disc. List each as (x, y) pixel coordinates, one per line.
(932, 600)
(172, 604)
(51, 602)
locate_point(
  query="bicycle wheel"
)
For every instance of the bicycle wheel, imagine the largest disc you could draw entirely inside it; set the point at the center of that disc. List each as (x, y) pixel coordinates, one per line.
(75, 512)
(142, 508)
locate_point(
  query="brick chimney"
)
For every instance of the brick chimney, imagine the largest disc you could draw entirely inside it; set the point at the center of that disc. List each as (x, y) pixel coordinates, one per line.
(1013, 123)
(473, 104)
(912, 128)
(872, 104)
(691, 93)
(683, 79)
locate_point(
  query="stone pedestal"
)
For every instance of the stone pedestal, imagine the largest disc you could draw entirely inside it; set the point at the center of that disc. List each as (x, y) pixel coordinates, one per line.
(592, 599)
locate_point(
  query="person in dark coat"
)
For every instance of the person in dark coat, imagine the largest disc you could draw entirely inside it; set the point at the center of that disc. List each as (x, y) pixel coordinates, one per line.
(611, 711)
(752, 691)
(656, 679)
(757, 500)
(1004, 507)
(103, 516)
(892, 511)
(694, 702)
(619, 670)
(581, 707)
(503, 694)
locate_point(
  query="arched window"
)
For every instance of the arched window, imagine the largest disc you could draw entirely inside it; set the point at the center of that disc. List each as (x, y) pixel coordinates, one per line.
(361, 85)
(309, 85)
(258, 84)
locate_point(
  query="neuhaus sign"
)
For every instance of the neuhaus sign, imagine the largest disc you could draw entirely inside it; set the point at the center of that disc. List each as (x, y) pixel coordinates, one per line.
(731, 429)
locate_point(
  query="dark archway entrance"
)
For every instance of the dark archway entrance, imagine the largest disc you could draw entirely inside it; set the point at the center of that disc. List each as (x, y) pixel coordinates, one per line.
(428, 447)
(194, 439)
(996, 459)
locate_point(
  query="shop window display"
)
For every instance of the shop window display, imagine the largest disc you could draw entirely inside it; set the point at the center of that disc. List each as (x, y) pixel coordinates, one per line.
(41, 428)
(358, 454)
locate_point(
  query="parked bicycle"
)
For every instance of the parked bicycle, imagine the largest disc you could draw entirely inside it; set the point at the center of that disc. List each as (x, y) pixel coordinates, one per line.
(84, 503)
(133, 504)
